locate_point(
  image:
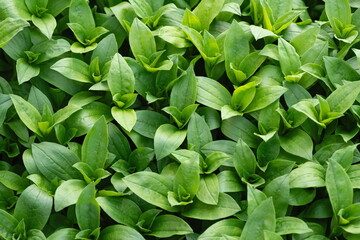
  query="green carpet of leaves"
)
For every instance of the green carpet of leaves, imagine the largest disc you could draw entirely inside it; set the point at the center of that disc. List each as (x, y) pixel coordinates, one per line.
(179, 120)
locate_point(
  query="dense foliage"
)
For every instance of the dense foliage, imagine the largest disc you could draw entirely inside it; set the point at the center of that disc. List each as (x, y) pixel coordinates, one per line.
(184, 119)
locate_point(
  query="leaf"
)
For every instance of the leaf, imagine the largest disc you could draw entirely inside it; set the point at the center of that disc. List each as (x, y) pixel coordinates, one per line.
(308, 175)
(55, 161)
(198, 133)
(168, 225)
(339, 10)
(208, 189)
(291, 225)
(34, 206)
(64, 233)
(151, 187)
(339, 70)
(121, 78)
(28, 114)
(262, 218)
(339, 187)
(265, 96)
(9, 28)
(259, 32)
(74, 69)
(46, 23)
(120, 232)
(237, 48)
(279, 190)
(80, 12)
(225, 207)
(343, 97)
(211, 93)
(144, 45)
(12, 181)
(244, 159)
(288, 58)
(230, 227)
(291, 141)
(87, 209)
(207, 10)
(148, 122)
(26, 71)
(239, 127)
(184, 90)
(8, 224)
(167, 139)
(120, 209)
(125, 117)
(94, 149)
(142, 8)
(68, 193)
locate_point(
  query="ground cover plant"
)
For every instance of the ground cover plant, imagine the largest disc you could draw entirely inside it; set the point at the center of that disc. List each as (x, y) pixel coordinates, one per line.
(184, 119)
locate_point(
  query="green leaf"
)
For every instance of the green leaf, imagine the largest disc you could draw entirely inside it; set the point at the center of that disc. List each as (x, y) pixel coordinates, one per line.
(265, 96)
(26, 71)
(141, 46)
(279, 190)
(46, 23)
(207, 10)
(142, 8)
(148, 122)
(28, 114)
(165, 226)
(55, 161)
(34, 206)
(120, 232)
(120, 209)
(339, 70)
(7, 225)
(87, 209)
(291, 141)
(339, 187)
(167, 139)
(151, 187)
(121, 78)
(198, 133)
(240, 127)
(208, 189)
(339, 10)
(94, 149)
(184, 90)
(343, 97)
(261, 219)
(9, 28)
(68, 193)
(12, 181)
(225, 207)
(291, 225)
(244, 159)
(74, 69)
(230, 227)
(308, 175)
(65, 234)
(80, 12)
(125, 117)
(211, 93)
(288, 58)
(237, 48)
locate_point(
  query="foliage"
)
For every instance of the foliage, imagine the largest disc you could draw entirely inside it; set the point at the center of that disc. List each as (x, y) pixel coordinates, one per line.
(184, 119)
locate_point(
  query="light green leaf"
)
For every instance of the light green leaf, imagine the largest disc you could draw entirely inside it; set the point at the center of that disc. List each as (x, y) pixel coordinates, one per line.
(74, 69)
(46, 23)
(151, 187)
(125, 117)
(121, 78)
(87, 209)
(167, 139)
(26, 71)
(165, 226)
